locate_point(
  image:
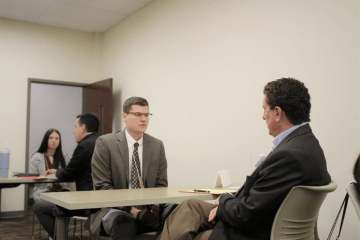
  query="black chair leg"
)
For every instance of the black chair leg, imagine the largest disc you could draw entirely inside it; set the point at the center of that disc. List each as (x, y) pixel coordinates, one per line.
(39, 231)
(33, 225)
(55, 230)
(33, 228)
(74, 229)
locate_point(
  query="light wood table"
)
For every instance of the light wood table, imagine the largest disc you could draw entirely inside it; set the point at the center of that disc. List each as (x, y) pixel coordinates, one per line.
(117, 198)
(15, 180)
(11, 182)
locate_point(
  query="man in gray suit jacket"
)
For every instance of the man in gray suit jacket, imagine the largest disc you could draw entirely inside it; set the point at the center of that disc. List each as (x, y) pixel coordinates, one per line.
(296, 159)
(129, 159)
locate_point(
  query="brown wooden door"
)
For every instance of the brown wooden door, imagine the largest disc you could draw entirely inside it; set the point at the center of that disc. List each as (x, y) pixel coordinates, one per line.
(97, 98)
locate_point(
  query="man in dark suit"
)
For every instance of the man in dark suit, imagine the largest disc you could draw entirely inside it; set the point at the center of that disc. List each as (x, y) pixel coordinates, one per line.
(297, 159)
(78, 169)
(129, 159)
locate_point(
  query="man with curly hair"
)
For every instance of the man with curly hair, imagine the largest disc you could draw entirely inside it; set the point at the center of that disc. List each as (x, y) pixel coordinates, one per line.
(296, 159)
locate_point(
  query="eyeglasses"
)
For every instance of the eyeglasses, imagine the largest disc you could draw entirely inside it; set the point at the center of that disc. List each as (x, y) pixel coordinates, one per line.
(139, 115)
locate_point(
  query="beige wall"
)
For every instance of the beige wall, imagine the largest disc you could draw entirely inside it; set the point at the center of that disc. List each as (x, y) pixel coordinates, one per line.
(35, 51)
(202, 66)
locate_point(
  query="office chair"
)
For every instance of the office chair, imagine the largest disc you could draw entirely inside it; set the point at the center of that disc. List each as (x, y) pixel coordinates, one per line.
(297, 215)
(81, 225)
(148, 236)
(58, 213)
(354, 196)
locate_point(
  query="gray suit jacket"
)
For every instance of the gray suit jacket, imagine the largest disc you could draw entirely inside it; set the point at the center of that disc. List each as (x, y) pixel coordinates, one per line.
(297, 160)
(110, 168)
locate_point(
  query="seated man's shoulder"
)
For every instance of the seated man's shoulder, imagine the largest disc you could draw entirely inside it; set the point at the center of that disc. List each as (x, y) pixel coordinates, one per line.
(110, 136)
(89, 141)
(302, 153)
(152, 139)
(307, 160)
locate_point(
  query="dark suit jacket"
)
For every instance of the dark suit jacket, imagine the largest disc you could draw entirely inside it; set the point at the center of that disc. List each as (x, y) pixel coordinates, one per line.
(297, 160)
(110, 165)
(79, 167)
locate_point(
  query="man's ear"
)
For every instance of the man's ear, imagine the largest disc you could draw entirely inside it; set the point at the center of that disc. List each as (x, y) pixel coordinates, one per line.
(124, 115)
(83, 128)
(278, 113)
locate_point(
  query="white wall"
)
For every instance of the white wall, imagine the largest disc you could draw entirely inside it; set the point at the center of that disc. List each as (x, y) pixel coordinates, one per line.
(203, 64)
(35, 51)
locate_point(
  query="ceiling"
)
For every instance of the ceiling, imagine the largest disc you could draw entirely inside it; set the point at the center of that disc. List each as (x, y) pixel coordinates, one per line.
(83, 15)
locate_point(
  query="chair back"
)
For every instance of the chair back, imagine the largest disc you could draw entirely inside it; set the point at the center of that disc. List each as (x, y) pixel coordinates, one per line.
(297, 215)
(354, 196)
(148, 236)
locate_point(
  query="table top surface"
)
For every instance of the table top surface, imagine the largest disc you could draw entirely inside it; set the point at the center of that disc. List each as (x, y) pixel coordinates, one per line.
(124, 197)
(25, 181)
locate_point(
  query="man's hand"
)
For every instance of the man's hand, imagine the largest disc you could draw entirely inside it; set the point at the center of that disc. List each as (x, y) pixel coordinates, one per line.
(212, 215)
(134, 212)
(145, 216)
(217, 201)
(155, 209)
(50, 173)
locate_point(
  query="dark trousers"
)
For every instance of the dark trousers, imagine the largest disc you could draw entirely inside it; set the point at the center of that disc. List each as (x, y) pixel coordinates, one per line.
(189, 220)
(120, 225)
(44, 212)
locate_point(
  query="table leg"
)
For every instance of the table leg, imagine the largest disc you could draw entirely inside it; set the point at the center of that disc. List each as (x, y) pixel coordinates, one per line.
(62, 228)
(0, 202)
(26, 200)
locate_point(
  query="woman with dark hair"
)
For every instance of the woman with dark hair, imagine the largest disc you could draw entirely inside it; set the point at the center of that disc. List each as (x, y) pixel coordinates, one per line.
(49, 156)
(356, 172)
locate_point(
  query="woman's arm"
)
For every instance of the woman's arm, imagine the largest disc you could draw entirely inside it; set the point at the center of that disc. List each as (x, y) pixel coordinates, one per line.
(37, 165)
(34, 164)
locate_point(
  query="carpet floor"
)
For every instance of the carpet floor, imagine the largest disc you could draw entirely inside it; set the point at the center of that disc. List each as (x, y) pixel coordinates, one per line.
(21, 228)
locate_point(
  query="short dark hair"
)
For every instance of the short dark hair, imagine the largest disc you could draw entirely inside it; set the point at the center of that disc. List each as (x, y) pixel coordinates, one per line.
(134, 101)
(291, 96)
(58, 155)
(90, 120)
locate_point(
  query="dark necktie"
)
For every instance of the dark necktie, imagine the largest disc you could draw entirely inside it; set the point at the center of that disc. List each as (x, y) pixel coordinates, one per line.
(135, 169)
(136, 172)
